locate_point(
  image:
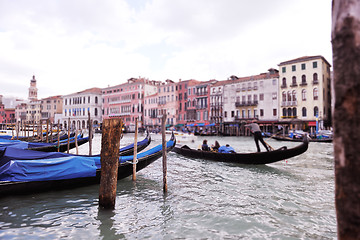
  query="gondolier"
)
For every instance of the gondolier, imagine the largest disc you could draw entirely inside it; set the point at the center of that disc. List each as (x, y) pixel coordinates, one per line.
(255, 129)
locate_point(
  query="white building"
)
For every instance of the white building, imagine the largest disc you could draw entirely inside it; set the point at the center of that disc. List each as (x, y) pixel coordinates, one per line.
(77, 106)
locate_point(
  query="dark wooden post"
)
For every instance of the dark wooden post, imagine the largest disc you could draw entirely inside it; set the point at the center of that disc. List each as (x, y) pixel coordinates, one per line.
(68, 141)
(58, 138)
(47, 130)
(51, 133)
(346, 118)
(135, 150)
(90, 134)
(110, 144)
(76, 142)
(164, 164)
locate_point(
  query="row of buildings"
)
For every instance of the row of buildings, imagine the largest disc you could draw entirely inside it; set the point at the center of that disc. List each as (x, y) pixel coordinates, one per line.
(297, 95)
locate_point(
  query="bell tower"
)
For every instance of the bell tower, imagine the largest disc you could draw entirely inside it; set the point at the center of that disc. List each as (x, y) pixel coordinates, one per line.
(32, 90)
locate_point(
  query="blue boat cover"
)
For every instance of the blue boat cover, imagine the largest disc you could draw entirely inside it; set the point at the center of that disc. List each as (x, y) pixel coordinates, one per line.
(26, 165)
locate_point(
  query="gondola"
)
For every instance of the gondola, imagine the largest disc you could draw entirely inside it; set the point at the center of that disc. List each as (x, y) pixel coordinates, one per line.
(244, 158)
(27, 172)
(288, 139)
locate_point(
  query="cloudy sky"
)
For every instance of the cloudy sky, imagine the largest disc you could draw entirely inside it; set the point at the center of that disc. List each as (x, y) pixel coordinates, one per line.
(72, 45)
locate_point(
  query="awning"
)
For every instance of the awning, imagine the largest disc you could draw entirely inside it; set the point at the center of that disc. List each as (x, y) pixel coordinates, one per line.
(211, 124)
(179, 125)
(312, 124)
(168, 125)
(200, 124)
(191, 125)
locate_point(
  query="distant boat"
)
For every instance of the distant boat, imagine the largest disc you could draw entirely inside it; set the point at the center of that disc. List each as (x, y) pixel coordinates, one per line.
(181, 137)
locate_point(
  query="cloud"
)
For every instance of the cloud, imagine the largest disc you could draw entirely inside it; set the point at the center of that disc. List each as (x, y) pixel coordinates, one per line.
(74, 45)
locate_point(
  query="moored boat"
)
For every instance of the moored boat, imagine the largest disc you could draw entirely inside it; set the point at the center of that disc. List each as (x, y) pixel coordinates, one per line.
(25, 172)
(244, 158)
(288, 139)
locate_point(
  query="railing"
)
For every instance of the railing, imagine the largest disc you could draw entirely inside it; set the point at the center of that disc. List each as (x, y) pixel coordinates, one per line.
(201, 93)
(283, 86)
(303, 83)
(289, 103)
(293, 85)
(315, 82)
(248, 103)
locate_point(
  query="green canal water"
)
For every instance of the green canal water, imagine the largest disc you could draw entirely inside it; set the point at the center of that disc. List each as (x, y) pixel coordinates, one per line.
(291, 199)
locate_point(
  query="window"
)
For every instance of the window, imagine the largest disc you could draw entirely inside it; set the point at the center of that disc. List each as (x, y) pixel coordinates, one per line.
(225, 114)
(261, 96)
(232, 113)
(289, 112)
(274, 112)
(294, 95)
(293, 68)
(303, 66)
(96, 101)
(294, 81)
(304, 111)
(289, 96)
(294, 113)
(284, 112)
(284, 82)
(303, 95)
(261, 112)
(316, 111)
(274, 95)
(284, 69)
(316, 94)
(314, 64)
(303, 79)
(315, 77)
(284, 96)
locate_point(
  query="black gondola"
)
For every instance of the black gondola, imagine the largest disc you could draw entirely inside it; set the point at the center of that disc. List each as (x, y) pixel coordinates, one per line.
(288, 139)
(244, 158)
(125, 169)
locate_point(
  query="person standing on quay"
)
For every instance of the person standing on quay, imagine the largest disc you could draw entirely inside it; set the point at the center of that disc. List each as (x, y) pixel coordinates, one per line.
(255, 129)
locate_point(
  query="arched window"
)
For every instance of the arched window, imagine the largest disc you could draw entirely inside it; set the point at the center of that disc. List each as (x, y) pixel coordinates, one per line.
(284, 96)
(284, 82)
(289, 96)
(315, 77)
(96, 100)
(304, 111)
(294, 95)
(289, 112)
(294, 113)
(294, 80)
(96, 112)
(194, 103)
(316, 94)
(303, 95)
(284, 112)
(316, 111)
(303, 79)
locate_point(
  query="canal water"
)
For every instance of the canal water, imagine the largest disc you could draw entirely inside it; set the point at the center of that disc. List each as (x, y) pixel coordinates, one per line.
(291, 199)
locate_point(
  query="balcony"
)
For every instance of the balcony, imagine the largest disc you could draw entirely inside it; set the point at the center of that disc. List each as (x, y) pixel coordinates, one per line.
(294, 85)
(283, 86)
(255, 88)
(315, 82)
(201, 93)
(303, 83)
(248, 103)
(289, 103)
(238, 89)
(152, 116)
(201, 106)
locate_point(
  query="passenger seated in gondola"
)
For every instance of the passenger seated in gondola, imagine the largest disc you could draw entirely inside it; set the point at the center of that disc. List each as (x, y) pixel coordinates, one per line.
(215, 147)
(204, 146)
(226, 149)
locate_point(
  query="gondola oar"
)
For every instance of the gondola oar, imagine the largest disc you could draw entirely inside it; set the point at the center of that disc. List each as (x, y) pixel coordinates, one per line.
(271, 148)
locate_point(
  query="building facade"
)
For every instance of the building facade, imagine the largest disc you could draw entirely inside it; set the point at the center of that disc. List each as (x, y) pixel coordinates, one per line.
(51, 106)
(77, 107)
(305, 87)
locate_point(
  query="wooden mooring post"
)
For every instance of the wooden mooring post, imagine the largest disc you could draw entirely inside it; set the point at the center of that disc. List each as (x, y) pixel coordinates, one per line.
(90, 134)
(110, 144)
(346, 117)
(58, 136)
(135, 150)
(68, 141)
(164, 163)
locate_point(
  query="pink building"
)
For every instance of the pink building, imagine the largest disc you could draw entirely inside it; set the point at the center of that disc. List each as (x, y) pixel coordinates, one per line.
(186, 113)
(151, 119)
(127, 101)
(167, 103)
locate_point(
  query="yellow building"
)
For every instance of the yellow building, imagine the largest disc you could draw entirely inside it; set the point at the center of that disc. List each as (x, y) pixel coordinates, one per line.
(305, 92)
